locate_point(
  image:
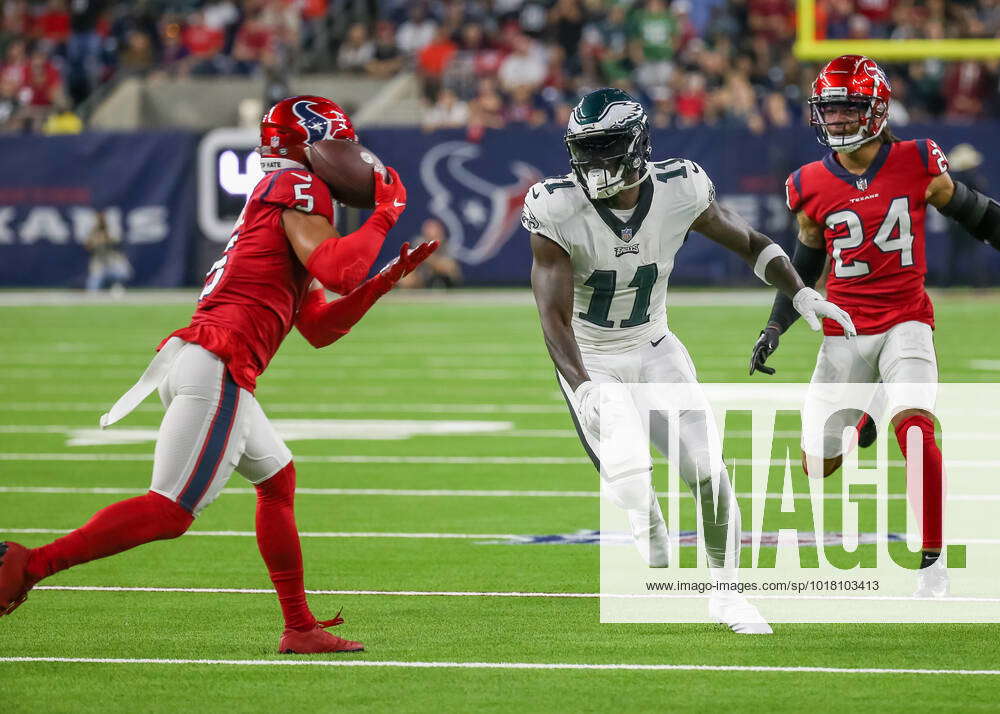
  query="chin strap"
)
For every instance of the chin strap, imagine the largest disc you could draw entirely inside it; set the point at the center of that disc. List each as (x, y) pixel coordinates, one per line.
(625, 187)
(637, 181)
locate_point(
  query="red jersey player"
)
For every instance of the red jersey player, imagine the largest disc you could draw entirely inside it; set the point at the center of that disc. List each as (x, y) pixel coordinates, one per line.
(207, 371)
(863, 205)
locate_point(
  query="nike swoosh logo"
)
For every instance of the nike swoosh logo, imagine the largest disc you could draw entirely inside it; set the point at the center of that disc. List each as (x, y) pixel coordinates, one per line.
(657, 343)
(534, 193)
(397, 204)
(307, 177)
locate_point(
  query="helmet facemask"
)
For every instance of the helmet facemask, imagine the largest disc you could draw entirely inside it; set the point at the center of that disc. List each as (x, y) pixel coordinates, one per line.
(854, 120)
(604, 160)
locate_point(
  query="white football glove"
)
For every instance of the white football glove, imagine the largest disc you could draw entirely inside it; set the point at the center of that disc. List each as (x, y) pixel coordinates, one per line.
(811, 305)
(588, 402)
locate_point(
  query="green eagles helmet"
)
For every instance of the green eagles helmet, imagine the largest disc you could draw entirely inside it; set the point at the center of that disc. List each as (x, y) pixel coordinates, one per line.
(608, 138)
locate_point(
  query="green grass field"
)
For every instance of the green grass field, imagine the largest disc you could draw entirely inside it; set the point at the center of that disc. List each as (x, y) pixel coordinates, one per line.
(469, 360)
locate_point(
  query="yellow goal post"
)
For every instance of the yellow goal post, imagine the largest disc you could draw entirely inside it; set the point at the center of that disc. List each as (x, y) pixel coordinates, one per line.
(808, 48)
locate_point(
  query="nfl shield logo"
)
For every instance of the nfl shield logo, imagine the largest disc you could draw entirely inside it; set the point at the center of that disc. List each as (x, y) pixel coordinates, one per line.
(861, 183)
(626, 234)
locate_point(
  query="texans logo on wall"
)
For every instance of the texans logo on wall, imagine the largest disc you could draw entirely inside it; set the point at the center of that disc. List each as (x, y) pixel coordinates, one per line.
(479, 214)
(476, 190)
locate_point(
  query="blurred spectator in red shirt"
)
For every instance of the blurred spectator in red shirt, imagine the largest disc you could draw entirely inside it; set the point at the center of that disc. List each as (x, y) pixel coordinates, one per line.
(15, 62)
(965, 86)
(254, 39)
(772, 19)
(52, 23)
(41, 81)
(201, 41)
(434, 58)
(690, 103)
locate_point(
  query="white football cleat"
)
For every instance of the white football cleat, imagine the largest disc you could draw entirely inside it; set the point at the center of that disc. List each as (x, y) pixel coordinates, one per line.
(736, 613)
(649, 532)
(932, 581)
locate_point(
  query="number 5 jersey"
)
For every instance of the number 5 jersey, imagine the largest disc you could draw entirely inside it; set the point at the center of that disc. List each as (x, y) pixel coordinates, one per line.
(873, 227)
(621, 259)
(253, 292)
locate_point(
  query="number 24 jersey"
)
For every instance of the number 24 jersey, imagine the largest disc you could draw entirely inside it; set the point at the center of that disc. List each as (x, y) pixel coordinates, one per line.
(873, 227)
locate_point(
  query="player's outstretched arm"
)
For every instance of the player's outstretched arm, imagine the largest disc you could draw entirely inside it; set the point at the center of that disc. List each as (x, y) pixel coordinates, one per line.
(976, 212)
(770, 264)
(323, 323)
(341, 263)
(552, 284)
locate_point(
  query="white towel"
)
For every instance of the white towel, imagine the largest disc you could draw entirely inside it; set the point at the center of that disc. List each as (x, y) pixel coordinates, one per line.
(155, 373)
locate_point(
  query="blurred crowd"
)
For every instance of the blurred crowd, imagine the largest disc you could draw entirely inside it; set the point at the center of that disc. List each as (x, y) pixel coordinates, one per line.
(54, 54)
(491, 63)
(691, 62)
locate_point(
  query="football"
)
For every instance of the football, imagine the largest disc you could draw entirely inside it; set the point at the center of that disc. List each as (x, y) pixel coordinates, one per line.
(348, 168)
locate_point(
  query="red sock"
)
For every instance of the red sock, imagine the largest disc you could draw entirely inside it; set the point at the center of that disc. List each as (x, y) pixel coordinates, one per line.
(278, 541)
(924, 486)
(111, 530)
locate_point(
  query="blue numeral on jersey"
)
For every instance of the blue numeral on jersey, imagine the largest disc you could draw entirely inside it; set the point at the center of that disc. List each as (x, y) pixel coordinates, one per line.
(603, 282)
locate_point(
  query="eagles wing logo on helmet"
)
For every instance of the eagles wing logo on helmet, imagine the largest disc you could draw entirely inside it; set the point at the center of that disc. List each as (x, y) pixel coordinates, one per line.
(608, 142)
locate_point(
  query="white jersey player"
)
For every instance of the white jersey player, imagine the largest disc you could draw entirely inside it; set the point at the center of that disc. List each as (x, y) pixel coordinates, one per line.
(603, 238)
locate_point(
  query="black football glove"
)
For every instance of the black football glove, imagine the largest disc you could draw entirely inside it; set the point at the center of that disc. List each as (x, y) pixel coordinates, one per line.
(767, 343)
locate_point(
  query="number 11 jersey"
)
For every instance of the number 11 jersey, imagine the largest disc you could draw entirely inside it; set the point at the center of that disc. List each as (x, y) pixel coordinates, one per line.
(873, 227)
(621, 260)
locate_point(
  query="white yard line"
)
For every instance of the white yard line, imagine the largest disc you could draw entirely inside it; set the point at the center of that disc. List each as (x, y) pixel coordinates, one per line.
(504, 593)
(291, 662)
(491, 460)
(375, 534)
(344, 459)
(463, 493)
(305, 534)
(354, 375)
(312, 407)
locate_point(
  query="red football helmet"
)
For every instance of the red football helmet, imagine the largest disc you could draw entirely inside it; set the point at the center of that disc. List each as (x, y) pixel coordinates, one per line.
(849, 90)
(293, 124)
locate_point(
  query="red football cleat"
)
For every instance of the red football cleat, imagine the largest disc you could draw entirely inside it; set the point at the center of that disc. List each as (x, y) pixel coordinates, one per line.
(317, 640)
(14, 580)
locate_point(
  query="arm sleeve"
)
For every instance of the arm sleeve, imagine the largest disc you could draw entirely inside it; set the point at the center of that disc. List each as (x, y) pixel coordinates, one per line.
(536, 216)
(323, 323)
(341, 264)
(300, 190)
(808, 262)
